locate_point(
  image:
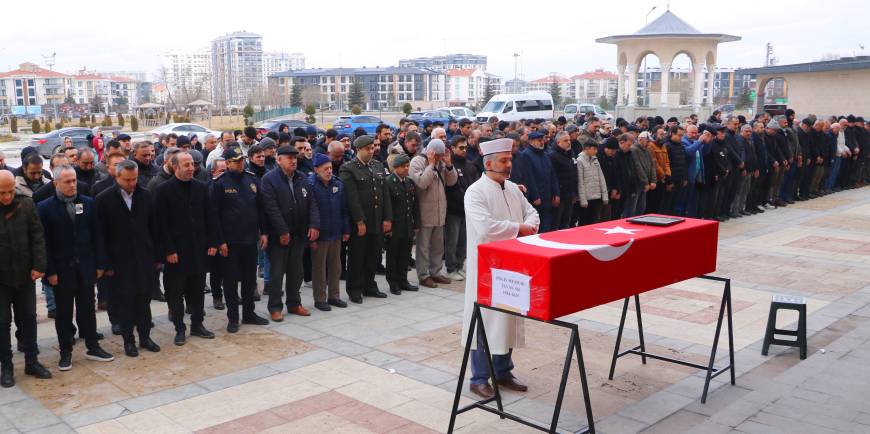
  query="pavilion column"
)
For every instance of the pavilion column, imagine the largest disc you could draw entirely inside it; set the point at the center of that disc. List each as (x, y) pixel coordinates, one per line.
(711, 77)
(666, 76)
(697, 86)
(620, 85)
(631, 88)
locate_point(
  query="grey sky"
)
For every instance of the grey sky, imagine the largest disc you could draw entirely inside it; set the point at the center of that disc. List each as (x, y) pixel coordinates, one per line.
(558, 37)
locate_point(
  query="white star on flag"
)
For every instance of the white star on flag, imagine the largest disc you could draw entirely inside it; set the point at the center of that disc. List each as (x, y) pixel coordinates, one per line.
(617, 230)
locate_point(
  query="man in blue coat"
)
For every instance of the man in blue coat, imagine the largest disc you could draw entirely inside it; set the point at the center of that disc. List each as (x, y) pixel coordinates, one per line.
(75, 261)
(539, 171)
(292, 221)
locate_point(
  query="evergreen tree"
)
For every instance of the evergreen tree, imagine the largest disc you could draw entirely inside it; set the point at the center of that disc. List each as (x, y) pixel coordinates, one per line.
(356, 95)
(556, 93)
(296, 96)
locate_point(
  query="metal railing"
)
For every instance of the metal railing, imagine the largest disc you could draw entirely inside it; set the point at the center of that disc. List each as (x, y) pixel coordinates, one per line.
(274, 113)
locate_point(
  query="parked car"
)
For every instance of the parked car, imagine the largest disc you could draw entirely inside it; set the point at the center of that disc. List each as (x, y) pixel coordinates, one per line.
(50, 143)
(182, 129)
(432, 116)
(599, 112)
(341, 120)
(458, 112)
(368, 122)
(272, 125)
(516, 106)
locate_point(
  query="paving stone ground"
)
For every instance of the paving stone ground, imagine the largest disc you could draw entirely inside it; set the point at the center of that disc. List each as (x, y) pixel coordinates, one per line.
(391, 365)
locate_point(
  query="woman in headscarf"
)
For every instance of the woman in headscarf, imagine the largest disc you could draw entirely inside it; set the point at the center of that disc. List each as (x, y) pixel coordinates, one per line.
(99, 147)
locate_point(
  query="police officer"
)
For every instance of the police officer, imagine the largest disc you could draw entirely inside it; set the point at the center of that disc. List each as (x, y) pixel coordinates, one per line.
(406, 218)
(238, 209)
(371, 217)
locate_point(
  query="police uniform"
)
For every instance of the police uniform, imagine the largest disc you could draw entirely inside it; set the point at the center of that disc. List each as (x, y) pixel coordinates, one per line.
(406, 218)
(237, 206)
(367, 202)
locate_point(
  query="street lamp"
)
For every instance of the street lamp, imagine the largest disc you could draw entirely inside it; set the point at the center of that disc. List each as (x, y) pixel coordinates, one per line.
(645, 88)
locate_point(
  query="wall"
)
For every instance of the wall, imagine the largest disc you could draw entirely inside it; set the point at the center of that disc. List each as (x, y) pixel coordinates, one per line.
(827, 93)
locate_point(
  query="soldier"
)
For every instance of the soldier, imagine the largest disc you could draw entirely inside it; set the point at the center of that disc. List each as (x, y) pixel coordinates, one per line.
(406, 218)
(238, 209)
(371, 217)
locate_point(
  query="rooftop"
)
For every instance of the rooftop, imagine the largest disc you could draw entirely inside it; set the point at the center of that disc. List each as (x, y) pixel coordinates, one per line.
(353, 71)
(841, 64)
(668, 25)
(32, 70)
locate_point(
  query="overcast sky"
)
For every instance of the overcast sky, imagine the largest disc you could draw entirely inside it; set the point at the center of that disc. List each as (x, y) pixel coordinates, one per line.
(554, 36)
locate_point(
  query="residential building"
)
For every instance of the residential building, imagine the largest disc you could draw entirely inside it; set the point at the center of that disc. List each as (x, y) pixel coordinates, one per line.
(275, 62)
(468, 86)
(728, 84)
(590, 87)
(447, 62)
(384, 88)
(90, 87)
(188, 74)
(237, 68)
(544, 84)
(26, 89)
(124, 91)
(159, 93)
(515, 85)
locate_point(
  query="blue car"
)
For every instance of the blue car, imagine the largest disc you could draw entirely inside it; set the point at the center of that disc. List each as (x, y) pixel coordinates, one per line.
(369, 123)
(433, 116)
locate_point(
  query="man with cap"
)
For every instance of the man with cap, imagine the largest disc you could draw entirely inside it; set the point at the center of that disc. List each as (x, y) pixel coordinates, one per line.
(406, 219)
(237, 206)
(371, 217)
(292, 221)
(541, 182)
(432, 172)
(328, 192)
(495, 209)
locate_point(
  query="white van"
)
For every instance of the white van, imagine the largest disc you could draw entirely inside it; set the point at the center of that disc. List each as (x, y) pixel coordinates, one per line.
(516, 106)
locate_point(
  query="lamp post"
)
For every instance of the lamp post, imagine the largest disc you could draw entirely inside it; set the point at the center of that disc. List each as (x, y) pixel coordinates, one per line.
(645, 88)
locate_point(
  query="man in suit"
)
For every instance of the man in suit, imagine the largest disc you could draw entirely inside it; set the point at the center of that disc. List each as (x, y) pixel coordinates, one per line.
(185, 229)
(126, 226)
(75, 261)
(292, 220)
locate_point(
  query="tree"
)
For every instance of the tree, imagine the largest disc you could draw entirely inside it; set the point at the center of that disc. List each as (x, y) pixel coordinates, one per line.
(34, 127)
(407, 108)
(69, 98)
(134, 123)
(83, 120)
(296, 96)
(96, 105)
(248, 113)
(603, 102)
(310, 95)
(120, 120)
(355, 110)
(556, 93)
(13, 124)
(46, 126)
(355, 96)
(310, 110)
(488, 93)
(744, 100)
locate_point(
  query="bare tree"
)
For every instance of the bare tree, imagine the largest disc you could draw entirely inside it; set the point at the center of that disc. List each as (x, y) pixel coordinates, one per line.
(311, 95)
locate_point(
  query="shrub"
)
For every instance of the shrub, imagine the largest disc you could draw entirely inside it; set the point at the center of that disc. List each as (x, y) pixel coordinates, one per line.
(120, 120)
(134, 123)
(58, 125)
(356, 110)
(407, 108)
(83, 121)
(34, 127)
(13, 124)
(46, 127)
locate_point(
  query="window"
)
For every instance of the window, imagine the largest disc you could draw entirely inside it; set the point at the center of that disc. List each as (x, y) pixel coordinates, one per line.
(509, 107)
(528, 106)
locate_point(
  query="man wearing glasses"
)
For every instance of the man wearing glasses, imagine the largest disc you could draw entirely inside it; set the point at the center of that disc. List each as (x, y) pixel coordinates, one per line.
(467, 174)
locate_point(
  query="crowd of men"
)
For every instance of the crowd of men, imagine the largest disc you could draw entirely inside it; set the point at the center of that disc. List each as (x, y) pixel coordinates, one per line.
(299, 209)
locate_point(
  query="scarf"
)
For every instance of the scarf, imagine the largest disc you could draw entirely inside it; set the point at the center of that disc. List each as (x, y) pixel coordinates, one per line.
(69, 201)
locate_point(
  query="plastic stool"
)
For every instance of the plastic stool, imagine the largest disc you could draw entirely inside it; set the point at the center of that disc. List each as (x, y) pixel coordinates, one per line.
(787, 302)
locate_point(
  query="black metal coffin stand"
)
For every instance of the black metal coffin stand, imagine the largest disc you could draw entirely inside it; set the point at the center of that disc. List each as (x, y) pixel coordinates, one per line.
(573, 349)
(712, 372)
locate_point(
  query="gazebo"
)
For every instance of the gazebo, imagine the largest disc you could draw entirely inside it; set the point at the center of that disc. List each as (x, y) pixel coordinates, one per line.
(667, 37)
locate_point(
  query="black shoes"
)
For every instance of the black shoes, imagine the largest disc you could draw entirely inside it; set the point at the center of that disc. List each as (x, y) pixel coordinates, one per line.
(255, 320)
(99, 336)
(219, 303)
(232, 327)
(65, 362)
(7, 375)
(130, 350)
(406, 286)
(149, 345)
(116, 329)
(356, 299)
(200, 331)
(179, 338)
(322, 305)
(337, 302)
(52, 314)
(395, 289)
(376, 294)
(98, 354)
(158, 296)
(35, 369)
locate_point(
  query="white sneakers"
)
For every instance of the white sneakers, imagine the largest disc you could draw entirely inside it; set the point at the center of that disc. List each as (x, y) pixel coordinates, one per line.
(456, 276)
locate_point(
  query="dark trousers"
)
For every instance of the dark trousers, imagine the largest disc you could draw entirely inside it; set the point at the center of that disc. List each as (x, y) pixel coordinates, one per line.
(713, 198)
(730, 190)
(398, 258)
(363, 255)
(592, 213)
(180, 286)
(108, 288)
(74, 294)
(22, 301)
(285, 260)
(654, 198)
(610, 211)
(241, 266)
(804, 178)
(216, 272)
(562, 215)
(545, 213)
(306, 264)
(502, 363)
(134, 310)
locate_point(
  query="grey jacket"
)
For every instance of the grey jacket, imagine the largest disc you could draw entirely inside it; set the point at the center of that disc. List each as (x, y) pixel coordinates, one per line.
(644, 164)
(431, 193)
(591, 180)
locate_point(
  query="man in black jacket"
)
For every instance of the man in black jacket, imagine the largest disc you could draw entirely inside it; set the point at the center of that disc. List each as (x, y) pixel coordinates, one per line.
(718, 167)
(610, 169)
(22, 261)
(679, 172)
(125, 212)
(566, 173)
(143, 155)
(185, 228)
(466, 173)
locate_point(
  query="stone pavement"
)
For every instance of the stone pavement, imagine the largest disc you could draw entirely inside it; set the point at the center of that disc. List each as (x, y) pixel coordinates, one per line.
(391, 365)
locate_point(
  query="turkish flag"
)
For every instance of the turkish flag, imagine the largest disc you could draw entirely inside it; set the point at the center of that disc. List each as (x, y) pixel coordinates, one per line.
(579, 268)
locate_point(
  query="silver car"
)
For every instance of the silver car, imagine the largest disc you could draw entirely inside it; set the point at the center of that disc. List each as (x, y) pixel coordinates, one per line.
(181, 129)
